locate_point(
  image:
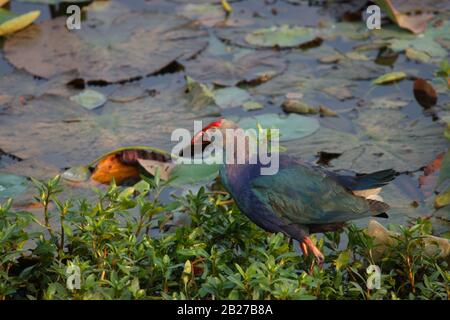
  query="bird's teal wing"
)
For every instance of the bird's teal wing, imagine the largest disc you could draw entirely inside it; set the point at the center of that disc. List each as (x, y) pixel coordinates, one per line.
(304, 194)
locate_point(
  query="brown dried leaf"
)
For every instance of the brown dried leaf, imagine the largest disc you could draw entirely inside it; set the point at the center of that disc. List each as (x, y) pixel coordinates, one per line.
(424, 93)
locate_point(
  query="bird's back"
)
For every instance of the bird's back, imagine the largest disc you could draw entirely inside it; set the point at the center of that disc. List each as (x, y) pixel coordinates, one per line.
(298, 194)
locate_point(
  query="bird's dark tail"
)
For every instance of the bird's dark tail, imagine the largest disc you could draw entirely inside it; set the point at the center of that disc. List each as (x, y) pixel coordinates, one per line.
(374, 180)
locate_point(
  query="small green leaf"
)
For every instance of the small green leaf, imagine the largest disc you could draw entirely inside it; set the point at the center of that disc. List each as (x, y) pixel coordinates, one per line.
(90, 99)
(185, 174)
(342, 260)
(76, 174)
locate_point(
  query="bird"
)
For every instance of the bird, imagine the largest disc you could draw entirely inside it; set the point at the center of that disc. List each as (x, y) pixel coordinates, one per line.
(301, 198)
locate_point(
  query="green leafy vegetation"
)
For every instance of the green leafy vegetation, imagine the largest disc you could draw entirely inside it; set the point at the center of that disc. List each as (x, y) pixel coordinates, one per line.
(126, 246)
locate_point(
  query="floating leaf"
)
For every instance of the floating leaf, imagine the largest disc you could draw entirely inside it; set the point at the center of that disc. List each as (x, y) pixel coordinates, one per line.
(111, 167)
(390, 77)
(297, 106)
(429, 42)
(200, 95)
(252, 105)
(226, 6)
(384, 138)
(231, 97)
(228, 65)
(354, 55)
(284, 36)
(417, 55)
(12, 185)
(152, 165)
(442, 199)
(413, 23)
(11, 22)
(76, 174)
(387, 103)
(292, 126)
(112, 46)
(207, 14)
(188, 174)
(90, 99)
(340, 92)
(327, 112)
(424, 93)
(428, 181)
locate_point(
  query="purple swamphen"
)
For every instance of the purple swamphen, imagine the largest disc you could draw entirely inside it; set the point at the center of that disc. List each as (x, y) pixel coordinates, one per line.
(301, 198)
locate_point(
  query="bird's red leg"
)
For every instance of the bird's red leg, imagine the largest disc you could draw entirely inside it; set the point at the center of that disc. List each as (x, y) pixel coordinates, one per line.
(304, 248)
(306, 244)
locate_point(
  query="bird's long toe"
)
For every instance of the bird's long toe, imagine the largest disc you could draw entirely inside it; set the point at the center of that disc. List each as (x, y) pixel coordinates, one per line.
(308, 246)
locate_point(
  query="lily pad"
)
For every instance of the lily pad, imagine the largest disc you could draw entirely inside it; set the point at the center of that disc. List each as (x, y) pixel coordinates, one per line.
(385, 138)
(413, 23)
(231, 97)
(12, 185)
(428, 42)
(284, 36)
(292, 126)
(106, 49)
(90, 99)
(189, 174)
(229, 66)
(76, 174)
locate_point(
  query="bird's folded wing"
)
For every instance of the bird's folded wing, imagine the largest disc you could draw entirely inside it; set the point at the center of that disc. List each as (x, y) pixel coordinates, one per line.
(304, 195)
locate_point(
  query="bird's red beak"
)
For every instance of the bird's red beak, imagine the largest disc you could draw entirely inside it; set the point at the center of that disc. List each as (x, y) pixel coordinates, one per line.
(199, 136)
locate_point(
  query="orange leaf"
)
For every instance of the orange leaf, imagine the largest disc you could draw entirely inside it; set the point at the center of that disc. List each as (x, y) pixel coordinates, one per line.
(428, 181)
(112, 167)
